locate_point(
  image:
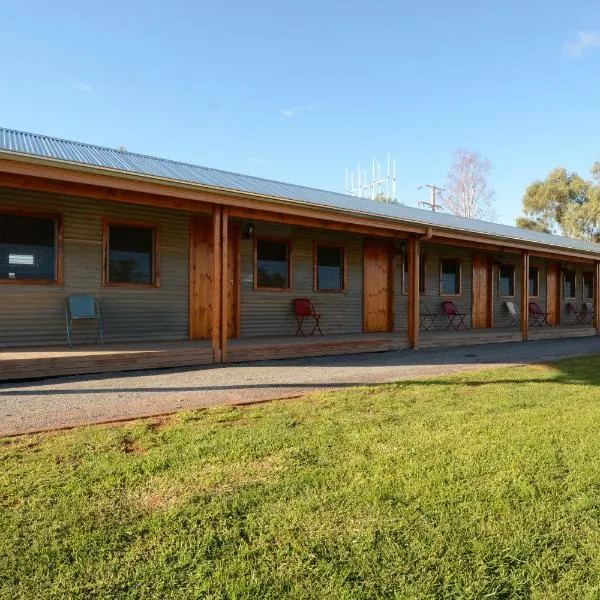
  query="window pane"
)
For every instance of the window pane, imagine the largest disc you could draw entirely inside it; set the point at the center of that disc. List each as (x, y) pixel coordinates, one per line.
(506, 284)
(450, 276)
(588, 285)
(533, 281)
(330, 268)
(27, 247)
(272, 264)
(130, 254)
(569, 291)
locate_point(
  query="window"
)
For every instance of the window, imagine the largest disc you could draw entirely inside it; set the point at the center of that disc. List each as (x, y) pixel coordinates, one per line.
(588, 285)
(272, 264)
(29, 250)
(449, 277)
(131, 254)
(534, 282)
(329, 268)
(569, 284)
(506, 281)
(422, 274)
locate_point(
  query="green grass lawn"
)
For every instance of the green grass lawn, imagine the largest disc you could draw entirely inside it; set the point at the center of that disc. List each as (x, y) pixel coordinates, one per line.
(475, 486)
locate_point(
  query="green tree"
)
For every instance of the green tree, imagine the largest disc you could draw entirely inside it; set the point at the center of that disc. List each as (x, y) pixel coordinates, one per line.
(564, 203)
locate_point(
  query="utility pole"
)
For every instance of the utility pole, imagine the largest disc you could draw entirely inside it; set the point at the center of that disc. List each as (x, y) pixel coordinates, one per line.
(433, 202)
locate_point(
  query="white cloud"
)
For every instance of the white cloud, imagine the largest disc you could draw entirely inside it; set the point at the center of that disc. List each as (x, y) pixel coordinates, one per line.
(290, 113)
(84, 87)
(583, 41)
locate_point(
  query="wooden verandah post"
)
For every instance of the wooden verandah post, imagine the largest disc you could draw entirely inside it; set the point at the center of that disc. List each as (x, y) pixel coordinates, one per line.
(597, 296)
(217, 281)
(413, 291)
(525, 295)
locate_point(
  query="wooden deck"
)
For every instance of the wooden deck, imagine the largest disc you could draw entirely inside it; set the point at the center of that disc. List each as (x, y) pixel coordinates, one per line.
(32, 363)
(52, 361)
(248, 349)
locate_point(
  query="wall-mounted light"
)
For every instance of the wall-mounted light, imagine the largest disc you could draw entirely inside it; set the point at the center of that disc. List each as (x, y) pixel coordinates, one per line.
(248, 231)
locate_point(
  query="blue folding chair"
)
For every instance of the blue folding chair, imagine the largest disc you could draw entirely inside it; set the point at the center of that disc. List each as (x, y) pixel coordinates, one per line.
(83, 307)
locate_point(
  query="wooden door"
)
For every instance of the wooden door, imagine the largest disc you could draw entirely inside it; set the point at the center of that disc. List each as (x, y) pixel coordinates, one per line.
(201, 279)
(378, 286)
(482, 291)
(553, 293)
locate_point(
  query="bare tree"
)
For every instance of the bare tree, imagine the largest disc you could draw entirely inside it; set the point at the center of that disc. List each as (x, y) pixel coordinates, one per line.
(467, 193)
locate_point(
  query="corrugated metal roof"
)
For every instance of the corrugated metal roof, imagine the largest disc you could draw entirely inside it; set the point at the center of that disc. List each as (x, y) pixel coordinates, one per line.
(118, 160)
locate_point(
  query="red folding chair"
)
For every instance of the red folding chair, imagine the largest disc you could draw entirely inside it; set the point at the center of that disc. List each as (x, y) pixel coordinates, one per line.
(579, 315)
(456, 319)
(538, 316)
(304, 309)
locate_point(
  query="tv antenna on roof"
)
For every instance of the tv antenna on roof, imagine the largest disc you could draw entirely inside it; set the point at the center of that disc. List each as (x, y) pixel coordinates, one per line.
(378, 187)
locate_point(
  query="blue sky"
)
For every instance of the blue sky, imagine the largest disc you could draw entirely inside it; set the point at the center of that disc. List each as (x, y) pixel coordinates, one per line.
(300, 91)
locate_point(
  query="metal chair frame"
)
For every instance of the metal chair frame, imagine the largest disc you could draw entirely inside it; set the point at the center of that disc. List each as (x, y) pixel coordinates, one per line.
(303, 309)
(538, 316)
(588, 311)
(579, 315)
(515, 319)
(456, 319)
(428, 318)
(73, 312)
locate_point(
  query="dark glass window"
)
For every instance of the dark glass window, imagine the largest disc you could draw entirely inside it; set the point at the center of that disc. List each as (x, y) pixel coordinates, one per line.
(131, 254)
(422, 274)
(534, 282)
(330, 268)
(569, 284)
(450, 276)
(588, 285)
(506, 280)
(273, 264)
(27, 247)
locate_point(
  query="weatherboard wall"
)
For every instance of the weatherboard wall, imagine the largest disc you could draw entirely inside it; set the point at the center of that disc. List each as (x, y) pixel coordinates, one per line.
(33, 315)
(431, 298)
(270, 313)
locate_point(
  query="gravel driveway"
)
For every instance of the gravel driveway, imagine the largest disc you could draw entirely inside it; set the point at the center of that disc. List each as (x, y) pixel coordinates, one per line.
(69, 401)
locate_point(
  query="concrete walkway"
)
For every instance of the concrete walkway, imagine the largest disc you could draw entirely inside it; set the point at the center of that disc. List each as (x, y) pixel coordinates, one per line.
(69, 401)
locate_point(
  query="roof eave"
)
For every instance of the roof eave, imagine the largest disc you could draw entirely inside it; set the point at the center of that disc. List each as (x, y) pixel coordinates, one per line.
(439, 230)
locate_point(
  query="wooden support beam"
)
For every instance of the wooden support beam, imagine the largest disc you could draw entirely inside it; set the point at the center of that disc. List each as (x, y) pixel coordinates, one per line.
(597, 297)
(413, 291)
(217, 220)
(224, 283)
(316, 223)
(525, 295)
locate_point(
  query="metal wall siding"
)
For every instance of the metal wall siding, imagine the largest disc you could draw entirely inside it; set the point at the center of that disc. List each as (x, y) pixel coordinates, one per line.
(32, 315)
(269, 313)
(432, 298)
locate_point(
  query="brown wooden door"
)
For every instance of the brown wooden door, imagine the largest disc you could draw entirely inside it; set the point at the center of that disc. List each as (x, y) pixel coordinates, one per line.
(378, 286)
(553, 293)
(201, 279)
(482, 291)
